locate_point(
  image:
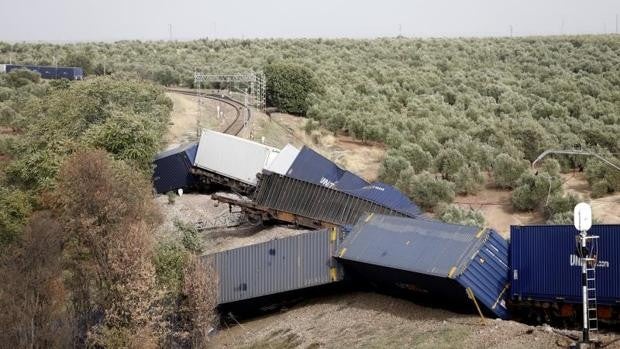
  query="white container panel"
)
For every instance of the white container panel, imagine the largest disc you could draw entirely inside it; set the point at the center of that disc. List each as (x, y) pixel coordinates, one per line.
(231, 156)
(284, 160)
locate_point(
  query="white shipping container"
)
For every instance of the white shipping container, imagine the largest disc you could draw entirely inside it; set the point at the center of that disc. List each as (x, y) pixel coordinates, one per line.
(284, 160)
(233, 157)
(2, 68)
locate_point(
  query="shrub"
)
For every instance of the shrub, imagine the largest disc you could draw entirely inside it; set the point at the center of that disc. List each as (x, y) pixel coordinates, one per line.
(392, 167)
(15, 209)
(507, 170)
(289, 86)
(448, 162)
(424, 189)
(559, 204)
(169, 261)
(468, 179)
(458, 215)
(533, 190)
(419, 159)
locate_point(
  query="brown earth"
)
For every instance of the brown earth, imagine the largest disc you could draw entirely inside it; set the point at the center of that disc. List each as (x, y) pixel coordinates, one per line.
(368, 320)
(184, 120)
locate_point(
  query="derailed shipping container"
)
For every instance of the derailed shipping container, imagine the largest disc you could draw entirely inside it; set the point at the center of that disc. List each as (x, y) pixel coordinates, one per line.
(281, 265)
(445, 260)
(233, 157)
(313, 201)
(310, 166)
(545, 265)
(173, 168)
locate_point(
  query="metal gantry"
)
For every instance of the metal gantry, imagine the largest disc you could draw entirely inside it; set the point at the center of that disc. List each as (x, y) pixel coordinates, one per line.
(574, 152)
(255, 81)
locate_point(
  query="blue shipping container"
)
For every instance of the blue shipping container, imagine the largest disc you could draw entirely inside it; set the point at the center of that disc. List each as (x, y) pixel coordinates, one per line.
(173, 168)
(313, 167)
(387, 195)
(51, 72)
(431, 257)
(545, 266)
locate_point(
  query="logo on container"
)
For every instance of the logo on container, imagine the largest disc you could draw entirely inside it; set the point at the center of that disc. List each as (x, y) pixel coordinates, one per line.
(576, 261)
(326, 182)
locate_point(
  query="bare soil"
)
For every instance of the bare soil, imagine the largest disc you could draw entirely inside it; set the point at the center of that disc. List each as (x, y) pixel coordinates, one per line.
(605, 209)
(368, 320)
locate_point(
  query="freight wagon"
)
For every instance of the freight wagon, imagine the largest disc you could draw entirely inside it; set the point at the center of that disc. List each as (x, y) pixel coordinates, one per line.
(546, 271)
(281, 265)
(48, 72)
(311, 205)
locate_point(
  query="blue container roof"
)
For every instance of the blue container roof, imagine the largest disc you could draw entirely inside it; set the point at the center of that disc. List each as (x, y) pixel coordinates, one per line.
(313, 167)
(476, 258)
(190, 148)
(388, 196)
(416, 245)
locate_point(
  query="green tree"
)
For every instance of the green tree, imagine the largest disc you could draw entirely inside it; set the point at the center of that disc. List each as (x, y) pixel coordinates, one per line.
(15, 209)
(419, 159)
(532, 191)
(468, 179)
(289, 86)
(78, 59)
(448, 162)
(458, 215)
(507, 170)
(424, 189)
(392, 167)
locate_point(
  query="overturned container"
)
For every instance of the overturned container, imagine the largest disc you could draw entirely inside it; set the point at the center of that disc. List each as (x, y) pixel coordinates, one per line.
(281, 265)
(453, 262)
(173, 168)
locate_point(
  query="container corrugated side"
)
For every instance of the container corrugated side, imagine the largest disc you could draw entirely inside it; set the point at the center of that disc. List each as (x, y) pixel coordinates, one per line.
(281, 265)
(313, 201)
(487, 274)
(231, 156)
(545, 266)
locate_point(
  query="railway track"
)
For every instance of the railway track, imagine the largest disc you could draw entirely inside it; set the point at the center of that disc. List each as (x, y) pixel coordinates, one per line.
(235, 127)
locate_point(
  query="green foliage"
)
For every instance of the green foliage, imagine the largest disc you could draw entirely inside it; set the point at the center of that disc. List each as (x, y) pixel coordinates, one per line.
(191, 240)
(468, 180)
(15, 207)
(507, 170)
(419, 159)
(169, 261)
(603, 178)
(21, 77)
(551, 166)
(126, 118)
(392, 167)
(458, 215)
(78, 59)
(425, 189)
(289, 87)
(559, 204)
(532, 190)
(448, 162)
